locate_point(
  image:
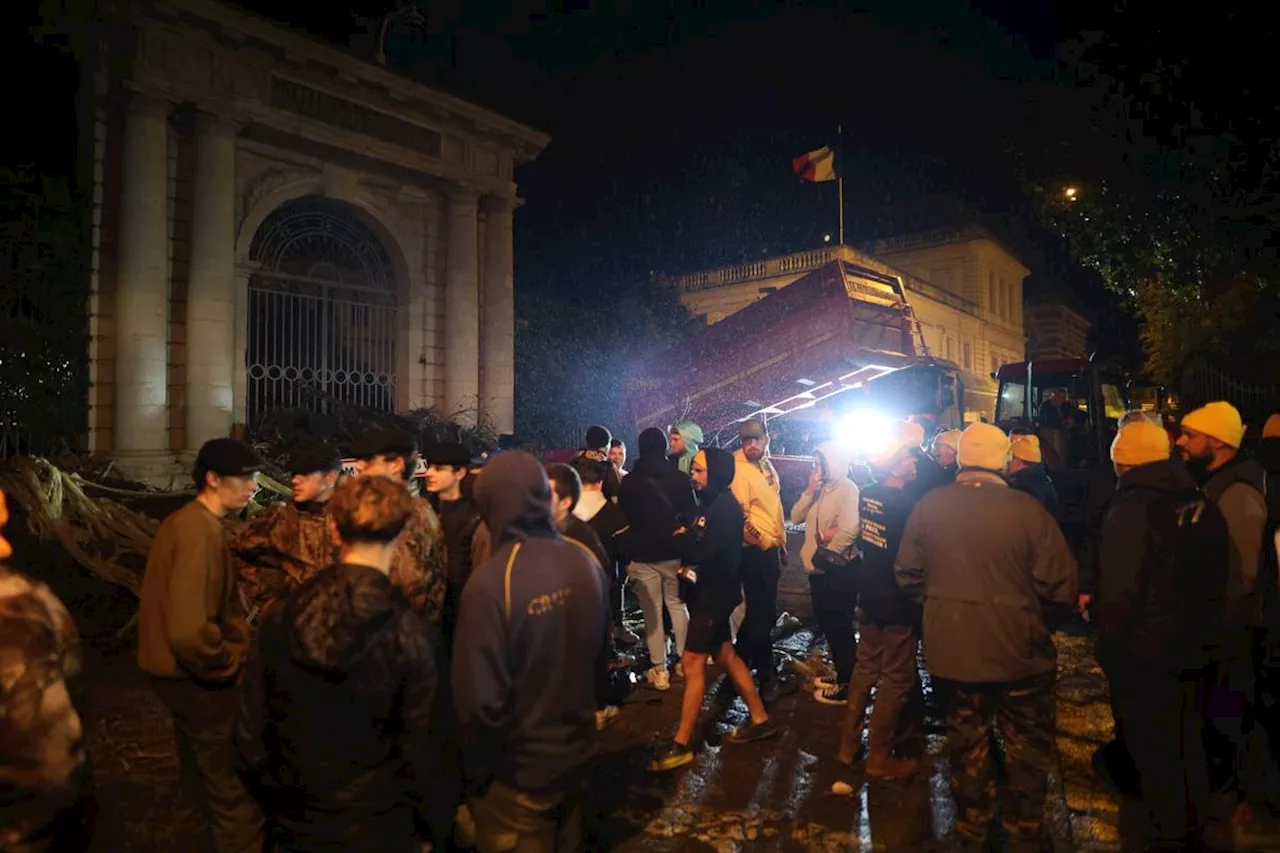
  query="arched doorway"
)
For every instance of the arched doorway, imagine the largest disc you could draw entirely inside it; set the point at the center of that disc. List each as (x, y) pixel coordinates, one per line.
(322, 311)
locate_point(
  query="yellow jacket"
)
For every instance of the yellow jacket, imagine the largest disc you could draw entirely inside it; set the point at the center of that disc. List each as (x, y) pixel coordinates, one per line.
(758, 490)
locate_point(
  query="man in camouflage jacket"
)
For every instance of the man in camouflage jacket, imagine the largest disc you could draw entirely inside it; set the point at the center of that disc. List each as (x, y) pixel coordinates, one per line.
(44, 768)
(286, 544)
(419, 569)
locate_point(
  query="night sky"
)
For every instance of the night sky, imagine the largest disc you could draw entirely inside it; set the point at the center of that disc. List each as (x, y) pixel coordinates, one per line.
(674, 125)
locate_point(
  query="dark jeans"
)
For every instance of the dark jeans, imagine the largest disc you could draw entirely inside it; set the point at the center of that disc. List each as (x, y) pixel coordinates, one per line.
(508, 821)
(1162, 725)
(835, 596)
(202, 719)
(760, 573)
(1024, 713)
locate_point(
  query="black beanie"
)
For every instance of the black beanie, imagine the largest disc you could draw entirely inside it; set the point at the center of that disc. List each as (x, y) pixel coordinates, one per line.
(653, 442)
(598, 437)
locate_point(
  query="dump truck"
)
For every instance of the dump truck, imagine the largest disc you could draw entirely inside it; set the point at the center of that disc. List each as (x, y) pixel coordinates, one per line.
(839, 330)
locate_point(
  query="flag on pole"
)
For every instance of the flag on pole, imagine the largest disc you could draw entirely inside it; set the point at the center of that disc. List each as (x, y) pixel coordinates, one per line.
(816, 166)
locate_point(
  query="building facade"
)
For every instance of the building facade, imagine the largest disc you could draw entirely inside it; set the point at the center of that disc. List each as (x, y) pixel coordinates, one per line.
(1054, 330)
(279, 224)
(964, 287)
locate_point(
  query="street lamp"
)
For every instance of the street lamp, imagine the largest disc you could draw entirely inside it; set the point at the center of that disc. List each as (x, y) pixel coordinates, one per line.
(1071, 194)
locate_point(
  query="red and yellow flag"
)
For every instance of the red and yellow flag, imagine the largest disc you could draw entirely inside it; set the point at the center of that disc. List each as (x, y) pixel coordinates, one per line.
(816, 166)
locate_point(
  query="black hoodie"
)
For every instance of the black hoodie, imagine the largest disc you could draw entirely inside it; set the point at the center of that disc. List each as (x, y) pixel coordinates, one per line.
(532, 625)
(657, 499)
(333, 736)
(713, 544)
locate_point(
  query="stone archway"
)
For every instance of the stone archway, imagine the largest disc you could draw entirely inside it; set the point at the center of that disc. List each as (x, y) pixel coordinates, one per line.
(322, 302)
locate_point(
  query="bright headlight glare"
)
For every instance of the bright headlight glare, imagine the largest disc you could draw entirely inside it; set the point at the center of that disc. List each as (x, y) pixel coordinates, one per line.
(865, 432)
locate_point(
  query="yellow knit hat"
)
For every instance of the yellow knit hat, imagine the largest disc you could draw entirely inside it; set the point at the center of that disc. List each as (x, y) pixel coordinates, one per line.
(984, 446)
(1272, 427)
(1140, 443)
(1217, 420)
(1026, 448)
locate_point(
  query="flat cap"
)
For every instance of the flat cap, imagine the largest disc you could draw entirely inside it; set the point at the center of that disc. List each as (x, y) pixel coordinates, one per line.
(753, 428)
(598, 436)
(447, 453)
(314, 456)
(384, 441)
(228, 457)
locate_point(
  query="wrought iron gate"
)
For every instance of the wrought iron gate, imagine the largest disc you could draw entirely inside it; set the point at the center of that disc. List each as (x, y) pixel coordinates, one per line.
(322, 312)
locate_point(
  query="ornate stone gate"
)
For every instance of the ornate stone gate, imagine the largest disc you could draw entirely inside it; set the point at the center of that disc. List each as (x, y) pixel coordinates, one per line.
(277, 223)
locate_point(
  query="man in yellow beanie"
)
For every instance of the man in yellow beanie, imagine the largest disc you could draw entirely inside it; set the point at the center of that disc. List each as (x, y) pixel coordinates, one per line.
(1027, 473)
(1162, 573)
(994, 573)
(1210, 443)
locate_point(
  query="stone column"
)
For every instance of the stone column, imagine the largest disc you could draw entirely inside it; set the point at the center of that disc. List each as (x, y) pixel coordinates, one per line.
(141, 440)
(211, 297)
(462, 308)
(497, 365)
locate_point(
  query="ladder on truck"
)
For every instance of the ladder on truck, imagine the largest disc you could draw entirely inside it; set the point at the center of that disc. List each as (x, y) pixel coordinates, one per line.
(902, 303)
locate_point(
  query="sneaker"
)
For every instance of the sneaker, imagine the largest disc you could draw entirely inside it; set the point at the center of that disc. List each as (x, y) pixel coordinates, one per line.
(753, 731)
(658, 679)
(606, 717)
(673, 755)
(822, 682)
(835, 694)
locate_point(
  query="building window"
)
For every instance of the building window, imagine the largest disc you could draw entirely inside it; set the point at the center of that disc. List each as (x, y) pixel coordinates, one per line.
(968, 356)
(991, 292)
(951, 349)
(1004, 298)
(995, 362)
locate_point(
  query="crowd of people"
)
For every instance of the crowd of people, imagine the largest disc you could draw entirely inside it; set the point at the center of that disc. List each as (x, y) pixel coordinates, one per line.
(366, 669)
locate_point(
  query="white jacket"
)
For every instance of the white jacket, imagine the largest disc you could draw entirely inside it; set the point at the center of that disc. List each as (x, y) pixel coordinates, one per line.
(835, 504)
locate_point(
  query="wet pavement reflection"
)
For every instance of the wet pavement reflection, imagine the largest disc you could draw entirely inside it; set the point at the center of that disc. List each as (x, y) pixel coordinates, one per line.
(776, 794)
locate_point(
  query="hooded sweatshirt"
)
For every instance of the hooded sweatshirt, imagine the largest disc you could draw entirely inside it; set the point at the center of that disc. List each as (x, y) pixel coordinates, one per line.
(657, 499)
(333, 736)
(835, 504)
(531, 629)
(714, 542)
(692, 435)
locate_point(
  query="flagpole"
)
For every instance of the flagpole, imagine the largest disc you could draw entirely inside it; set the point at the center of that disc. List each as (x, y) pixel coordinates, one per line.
(840, 182)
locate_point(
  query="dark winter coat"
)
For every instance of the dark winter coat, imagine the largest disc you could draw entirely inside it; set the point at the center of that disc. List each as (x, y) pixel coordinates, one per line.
(1163, 559)
(1268, 457)
(532, 626)
(713, 544)
(884, 512)
(995, 575)
(333, 736)
(465, 545)
(657, 500)
(1034, 480)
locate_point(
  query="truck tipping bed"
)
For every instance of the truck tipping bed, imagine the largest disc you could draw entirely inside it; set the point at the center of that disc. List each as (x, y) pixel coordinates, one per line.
(833, 329)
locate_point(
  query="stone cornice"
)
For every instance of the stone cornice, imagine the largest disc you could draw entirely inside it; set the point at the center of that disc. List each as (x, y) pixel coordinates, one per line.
(239, 26)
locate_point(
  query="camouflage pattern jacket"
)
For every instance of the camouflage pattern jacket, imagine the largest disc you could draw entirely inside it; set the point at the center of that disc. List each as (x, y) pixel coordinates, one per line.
(419, 567)
(43, 764)
(279, 549)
